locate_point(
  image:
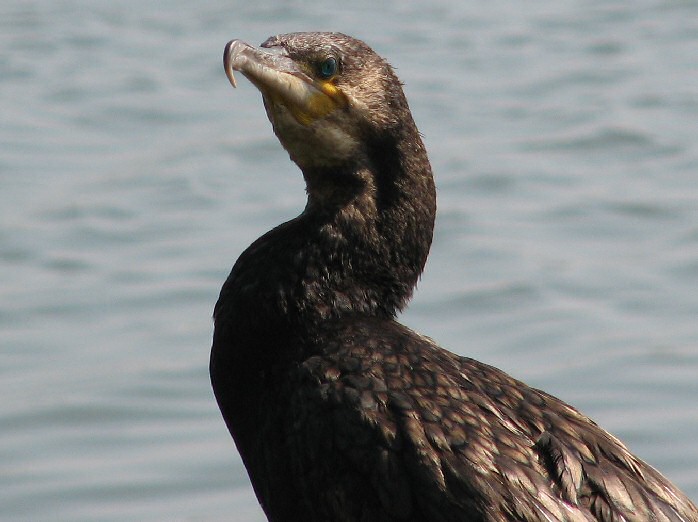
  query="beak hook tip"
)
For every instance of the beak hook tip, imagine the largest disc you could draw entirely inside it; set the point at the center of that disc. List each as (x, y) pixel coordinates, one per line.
(227, 63)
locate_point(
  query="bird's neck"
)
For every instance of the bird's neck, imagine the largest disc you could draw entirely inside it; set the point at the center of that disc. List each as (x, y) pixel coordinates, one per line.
(358, 248)
(372, 225)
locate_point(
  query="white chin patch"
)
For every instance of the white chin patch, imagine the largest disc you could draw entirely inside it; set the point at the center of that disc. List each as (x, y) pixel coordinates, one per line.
(322, 143)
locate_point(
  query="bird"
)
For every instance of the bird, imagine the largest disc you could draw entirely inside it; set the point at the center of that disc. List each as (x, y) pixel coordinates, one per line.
(340, 412)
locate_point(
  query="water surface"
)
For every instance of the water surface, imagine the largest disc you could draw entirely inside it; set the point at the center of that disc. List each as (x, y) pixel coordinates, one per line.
(563, 139)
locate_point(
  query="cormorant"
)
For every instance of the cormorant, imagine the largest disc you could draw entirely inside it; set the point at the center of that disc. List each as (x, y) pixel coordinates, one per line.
(340, 413)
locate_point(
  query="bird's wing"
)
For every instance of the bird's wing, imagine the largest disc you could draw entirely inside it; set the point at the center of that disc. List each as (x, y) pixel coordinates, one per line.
(441, 437)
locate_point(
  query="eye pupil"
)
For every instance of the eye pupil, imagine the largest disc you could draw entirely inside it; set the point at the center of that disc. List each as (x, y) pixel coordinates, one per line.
(328, 67)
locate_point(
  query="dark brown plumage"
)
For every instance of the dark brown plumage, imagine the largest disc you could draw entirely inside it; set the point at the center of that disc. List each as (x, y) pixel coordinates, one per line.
(339, 412)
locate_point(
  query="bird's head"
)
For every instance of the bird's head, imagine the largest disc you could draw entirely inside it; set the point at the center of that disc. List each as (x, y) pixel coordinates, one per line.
(326, 94)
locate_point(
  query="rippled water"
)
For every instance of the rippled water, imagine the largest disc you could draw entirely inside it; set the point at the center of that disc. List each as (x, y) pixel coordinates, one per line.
(564, 140)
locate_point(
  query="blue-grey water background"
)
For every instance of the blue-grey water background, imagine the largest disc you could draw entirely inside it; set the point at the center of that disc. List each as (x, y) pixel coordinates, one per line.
(564, 139)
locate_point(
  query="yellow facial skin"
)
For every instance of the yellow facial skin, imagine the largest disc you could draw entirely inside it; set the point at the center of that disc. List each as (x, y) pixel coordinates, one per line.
(318, 100)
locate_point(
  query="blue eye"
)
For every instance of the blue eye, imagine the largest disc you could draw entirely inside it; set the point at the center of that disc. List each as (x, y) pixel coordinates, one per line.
(328, 68)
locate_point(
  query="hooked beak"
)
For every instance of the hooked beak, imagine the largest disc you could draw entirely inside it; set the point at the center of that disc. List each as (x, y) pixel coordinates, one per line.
(282, 81)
